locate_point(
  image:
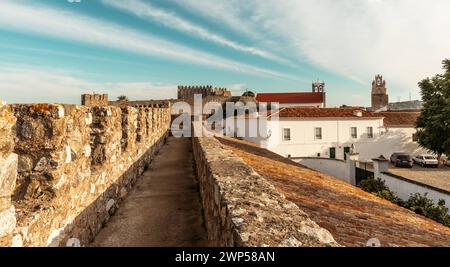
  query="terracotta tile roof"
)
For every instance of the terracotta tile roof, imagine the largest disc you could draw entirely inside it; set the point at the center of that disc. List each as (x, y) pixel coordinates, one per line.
(400, 118)
(350, 214)
(301, 112)
(283, 98)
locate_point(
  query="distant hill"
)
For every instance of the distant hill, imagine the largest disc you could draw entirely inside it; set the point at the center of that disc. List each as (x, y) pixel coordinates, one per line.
(406, 105)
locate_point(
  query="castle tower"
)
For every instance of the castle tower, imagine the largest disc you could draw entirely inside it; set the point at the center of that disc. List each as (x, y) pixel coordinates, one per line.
(380, 98)
(92, 100)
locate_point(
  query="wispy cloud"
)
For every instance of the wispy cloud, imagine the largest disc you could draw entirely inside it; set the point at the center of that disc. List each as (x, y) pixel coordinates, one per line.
(28, 84)
(405, 39)
(231, 13)
(170, 19)
(62, 24)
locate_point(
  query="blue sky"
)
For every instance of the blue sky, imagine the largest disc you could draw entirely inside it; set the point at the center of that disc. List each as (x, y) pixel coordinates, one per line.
(54, 50)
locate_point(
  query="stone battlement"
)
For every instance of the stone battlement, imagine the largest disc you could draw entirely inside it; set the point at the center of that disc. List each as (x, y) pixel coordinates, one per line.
(94, 100)
(187, 92)
(65, 168)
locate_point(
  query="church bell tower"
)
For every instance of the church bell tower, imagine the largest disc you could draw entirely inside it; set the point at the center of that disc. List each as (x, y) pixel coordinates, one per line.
(380, 98)
(319, 87)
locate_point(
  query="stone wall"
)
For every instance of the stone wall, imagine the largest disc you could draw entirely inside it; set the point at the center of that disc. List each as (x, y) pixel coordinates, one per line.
(143, 103)
(75, 164)
(243, 209)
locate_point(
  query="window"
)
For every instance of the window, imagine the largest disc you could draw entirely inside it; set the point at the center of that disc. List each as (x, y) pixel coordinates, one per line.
(286, 134)
(415, 138)
(354, 132)
(318, 133)
(369, 132)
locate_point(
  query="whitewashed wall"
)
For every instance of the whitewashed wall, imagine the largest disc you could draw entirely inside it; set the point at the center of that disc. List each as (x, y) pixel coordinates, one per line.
(404, 189)
(336, 168)
(335, 133)
(395, 139)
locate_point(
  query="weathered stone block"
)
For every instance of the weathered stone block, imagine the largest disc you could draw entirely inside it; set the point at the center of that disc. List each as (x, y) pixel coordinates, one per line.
(106, 134)
(39, 127)
(7, 121)
(8, 176)
(129, 128)
(141, 130)
(7, 221)
(25, 164)
(5, 203)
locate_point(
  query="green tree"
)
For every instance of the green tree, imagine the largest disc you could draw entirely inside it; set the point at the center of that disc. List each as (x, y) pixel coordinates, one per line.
(433, 124)
(122, 98)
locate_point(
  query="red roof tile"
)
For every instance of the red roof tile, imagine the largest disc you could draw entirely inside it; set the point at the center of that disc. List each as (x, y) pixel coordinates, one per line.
(352, 215)
(325, 113)
(283, 98)
(405, 119)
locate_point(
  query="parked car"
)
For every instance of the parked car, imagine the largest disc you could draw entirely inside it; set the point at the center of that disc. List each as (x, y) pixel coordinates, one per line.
(395, 155)
(402, 160)
(426, 160)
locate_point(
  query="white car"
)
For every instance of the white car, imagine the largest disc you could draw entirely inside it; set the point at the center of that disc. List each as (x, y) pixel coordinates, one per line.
(426, 160)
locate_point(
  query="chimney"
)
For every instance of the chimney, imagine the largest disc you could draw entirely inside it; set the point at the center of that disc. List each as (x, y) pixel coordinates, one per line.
(358, 113)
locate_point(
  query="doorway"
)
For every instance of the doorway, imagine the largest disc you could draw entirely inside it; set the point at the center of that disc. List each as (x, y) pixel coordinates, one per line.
(346, 150)
(332, 152)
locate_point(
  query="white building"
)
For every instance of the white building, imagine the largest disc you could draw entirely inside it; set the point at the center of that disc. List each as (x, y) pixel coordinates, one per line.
(331, 132)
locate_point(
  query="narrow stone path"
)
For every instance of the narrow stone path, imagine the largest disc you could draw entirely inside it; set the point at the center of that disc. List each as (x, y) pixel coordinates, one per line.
(164, 208)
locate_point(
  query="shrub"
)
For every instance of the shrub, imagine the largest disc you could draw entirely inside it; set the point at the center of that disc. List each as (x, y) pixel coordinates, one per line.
(422, 205)
(378, 187)
(418, 203)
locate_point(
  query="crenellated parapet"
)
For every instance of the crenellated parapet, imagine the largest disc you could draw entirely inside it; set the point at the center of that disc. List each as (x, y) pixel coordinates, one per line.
(188, 92)
(65, 168)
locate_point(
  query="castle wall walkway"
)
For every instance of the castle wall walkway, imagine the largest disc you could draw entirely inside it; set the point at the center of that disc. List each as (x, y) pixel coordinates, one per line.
(164, 208)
